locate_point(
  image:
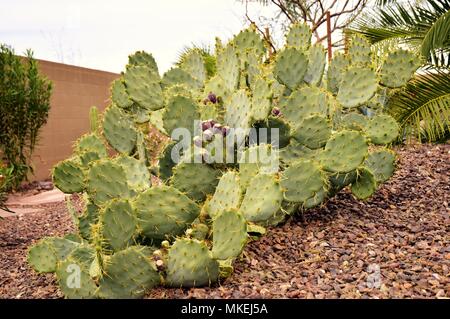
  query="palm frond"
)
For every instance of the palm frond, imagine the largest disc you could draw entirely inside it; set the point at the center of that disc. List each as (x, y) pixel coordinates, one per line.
(437, 37)
(441, 58)
(383, 2)
(408, 23)
(208, 57)
(423, 107)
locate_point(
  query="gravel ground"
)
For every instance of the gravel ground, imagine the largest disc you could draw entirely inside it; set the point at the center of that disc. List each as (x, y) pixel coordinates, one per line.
(395, 245)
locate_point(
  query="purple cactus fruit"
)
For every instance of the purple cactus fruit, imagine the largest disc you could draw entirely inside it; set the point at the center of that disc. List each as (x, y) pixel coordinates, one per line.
(157, 254)
(197, 141)
(212, 97)
(160, 265)
(217, 128)
(276, 111)
(206, 125)
(208, 135)
(225, 130)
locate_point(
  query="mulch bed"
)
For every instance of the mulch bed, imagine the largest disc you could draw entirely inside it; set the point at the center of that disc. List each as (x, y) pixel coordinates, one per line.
(336, 251)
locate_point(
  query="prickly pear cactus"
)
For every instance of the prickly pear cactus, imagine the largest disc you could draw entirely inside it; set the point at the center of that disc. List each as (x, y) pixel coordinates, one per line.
(263, 139)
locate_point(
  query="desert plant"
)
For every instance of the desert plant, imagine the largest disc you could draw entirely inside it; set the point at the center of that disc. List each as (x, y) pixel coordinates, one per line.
(185, 228)
(6, 174)
(24, 107)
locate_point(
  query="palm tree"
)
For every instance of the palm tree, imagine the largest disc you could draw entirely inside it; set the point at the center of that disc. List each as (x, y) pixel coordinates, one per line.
(423, 106)
(205, 51)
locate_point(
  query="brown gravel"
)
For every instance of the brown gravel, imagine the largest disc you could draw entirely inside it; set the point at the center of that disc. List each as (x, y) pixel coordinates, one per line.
(403, 231)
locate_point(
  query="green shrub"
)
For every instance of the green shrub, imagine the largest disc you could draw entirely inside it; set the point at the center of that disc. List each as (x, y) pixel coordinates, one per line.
(24, 107)
(5, 183)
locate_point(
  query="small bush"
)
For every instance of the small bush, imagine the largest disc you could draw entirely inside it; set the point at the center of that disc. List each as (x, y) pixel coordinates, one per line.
(6, 174)
(24, 107)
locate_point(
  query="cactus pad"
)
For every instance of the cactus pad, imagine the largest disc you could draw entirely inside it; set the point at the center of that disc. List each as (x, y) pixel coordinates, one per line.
(138, 176)
(365, 184)
(251, 69)
(45, 254)
(198, 231)
(317, 199)
(313, 132)
(180, 112)
(249, 39)
(83, 254)
(281, 136)
(336, 69)
(74, 280)
(295, 150)
(227, 195)
(358, 85)
(91, 143)
(359, 51)
(299, 36)
(156, 119)
(316, 64)
(178, 76)
(258, 158)
(302, 180)
(229, 231)
(118, 224)
(87, 219)
(353, 121)
(119, 130)
(290, 67)
(398, 67)
(69, 176)
(262, 198)
(195, 180)
(107, 180)
(238, 110)
(305, 102)
(339, 180)
(143, 86)
(139, 114)
(261, 101)
(228, 68)
(344, 152)
(381, 163)
(217, 85)
(209, 111)
(142, 58)
(42, 258)
(382, 129)
(194, 64)
(128, 274)
(168, 158)
(190, 264)
(164, 211)
(119, 95)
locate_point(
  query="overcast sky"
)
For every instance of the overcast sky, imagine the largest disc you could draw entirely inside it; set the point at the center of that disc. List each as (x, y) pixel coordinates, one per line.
(100, 34)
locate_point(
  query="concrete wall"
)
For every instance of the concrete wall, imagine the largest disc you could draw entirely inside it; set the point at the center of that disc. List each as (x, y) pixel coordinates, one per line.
(75, 90)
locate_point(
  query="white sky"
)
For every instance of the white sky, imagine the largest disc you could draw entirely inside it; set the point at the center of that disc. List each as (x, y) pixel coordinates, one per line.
(100, 34)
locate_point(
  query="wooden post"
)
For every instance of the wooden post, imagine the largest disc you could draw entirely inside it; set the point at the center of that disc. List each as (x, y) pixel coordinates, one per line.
(346, 42)
(330, 47)
(268, 41)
